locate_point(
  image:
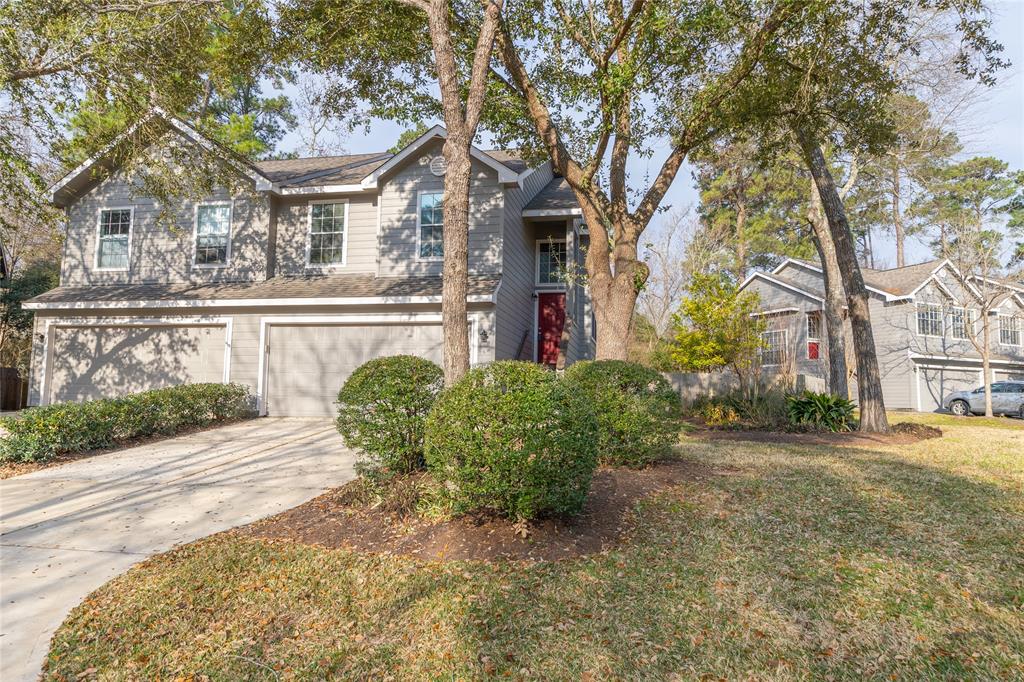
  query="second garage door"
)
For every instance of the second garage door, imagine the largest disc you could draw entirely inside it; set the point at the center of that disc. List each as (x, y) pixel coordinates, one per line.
(935, 384)
(307, 364)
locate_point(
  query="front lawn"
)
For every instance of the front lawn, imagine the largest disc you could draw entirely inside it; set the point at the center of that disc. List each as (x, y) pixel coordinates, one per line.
(791, 561)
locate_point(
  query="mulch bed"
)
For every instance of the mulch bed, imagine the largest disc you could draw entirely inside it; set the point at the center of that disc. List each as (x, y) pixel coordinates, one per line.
(903, 433)
(334, 520)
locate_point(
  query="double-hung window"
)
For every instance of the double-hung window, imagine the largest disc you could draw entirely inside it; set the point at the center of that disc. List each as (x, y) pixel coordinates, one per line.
(213, 234)
(112, 249)
(430, 226)
(773, 348)
(327, 225)
(551, 257)
(813, 335)
(929, 319)
(961, 322)
(1009, 330)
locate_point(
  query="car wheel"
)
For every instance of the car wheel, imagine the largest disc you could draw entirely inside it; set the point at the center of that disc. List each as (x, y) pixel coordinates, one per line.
(960, 408)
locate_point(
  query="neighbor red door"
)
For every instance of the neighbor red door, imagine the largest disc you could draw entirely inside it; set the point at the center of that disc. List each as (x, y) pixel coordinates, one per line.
(550, 321)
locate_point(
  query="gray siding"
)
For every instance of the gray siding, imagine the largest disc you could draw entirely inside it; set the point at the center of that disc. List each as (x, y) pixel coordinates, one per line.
(774, 297)
(159, 253)
(514, 311)
(398, 239)
(293, 234)
(806, 277)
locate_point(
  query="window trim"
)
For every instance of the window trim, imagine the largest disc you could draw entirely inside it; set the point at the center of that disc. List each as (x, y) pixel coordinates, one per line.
(917, 320)
(1019, 329)
(419, 226)
(807, 334)
(195, 235)
(309, 236)
(99, 227)
(969, 322)
(782, 347)
(556, 286)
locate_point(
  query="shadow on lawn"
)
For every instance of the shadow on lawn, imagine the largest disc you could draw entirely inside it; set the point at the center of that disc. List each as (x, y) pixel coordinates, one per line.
(821, 562)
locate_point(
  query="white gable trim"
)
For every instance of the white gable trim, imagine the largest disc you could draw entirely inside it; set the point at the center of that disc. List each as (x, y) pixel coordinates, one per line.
(768, 278)
(505, 174)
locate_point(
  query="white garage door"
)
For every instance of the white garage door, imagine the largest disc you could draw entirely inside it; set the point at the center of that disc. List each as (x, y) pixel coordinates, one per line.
(307, 364)
(1003, 375)
(103, 362)
(935, 384)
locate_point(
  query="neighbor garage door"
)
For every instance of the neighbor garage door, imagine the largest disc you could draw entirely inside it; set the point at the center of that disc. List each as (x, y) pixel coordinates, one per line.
(1009, 375)
(98, 362)
(307, 364)
(935, 384)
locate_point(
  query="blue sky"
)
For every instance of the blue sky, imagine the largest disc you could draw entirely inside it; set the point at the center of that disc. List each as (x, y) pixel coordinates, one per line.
(994, 127)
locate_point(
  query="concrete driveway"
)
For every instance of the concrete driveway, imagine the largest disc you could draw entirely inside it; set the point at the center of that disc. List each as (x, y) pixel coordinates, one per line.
(67, 530)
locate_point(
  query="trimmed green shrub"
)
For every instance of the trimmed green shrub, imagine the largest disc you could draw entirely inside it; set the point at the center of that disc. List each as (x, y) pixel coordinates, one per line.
(510, 437)
(637, 409)
(39, 433)
(820, 412)
(382, 411)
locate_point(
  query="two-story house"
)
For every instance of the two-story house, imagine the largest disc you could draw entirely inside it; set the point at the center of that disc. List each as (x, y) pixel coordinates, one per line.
(922, 317)
(287, 287)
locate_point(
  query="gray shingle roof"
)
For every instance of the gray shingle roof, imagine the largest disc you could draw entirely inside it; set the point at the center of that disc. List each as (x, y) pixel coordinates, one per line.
(896, 281)
(557, 195)
(311, 287)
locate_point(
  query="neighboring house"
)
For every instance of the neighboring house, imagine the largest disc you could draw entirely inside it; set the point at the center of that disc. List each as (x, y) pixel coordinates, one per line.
(322, 265)
(918, 315)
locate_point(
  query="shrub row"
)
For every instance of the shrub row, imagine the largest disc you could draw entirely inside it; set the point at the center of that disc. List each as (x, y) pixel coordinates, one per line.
(511, 437)
(775, 409)
(40, 433)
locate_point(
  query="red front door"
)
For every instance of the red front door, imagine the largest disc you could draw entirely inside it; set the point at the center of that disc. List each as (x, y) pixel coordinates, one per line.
(550, 321)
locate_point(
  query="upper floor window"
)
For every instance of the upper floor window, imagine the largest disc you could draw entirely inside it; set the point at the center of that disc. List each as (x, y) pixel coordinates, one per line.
(773, 348)
(114, 243)
(430, 226)
(1009, 330)
(813, 335)
(929, 319)
(551, 260)
(213, 234)
(961, 323)
(327, 224)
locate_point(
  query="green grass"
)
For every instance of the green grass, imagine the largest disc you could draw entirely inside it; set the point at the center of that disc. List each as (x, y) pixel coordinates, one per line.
(796, 562)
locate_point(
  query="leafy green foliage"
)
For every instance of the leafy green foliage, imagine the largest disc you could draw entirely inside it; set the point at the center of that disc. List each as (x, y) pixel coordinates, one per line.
(511, 438)
(766, 410)
(39, 433)
(637, 410)
(15, 321)
(714, 328)
(408, 136)
(382, 411)
(820, 411)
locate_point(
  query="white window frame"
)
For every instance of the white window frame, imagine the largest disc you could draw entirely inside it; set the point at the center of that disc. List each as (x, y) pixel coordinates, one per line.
(195, 235)
(807, 333)
(344, 236)
(536, 264)
(782, 347)
(99, 228)
(969, 321)
(419, 226)
(917, 320)
(1018, 330)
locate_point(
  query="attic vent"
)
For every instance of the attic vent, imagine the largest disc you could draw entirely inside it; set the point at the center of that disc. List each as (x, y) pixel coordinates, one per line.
(438, 166)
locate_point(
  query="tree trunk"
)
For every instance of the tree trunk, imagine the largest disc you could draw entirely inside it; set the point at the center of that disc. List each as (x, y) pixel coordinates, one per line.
(986, 332)
(613, 310)
(897, 218)
(835, 332)
(869, 383)
(741, 241)
(455, 273)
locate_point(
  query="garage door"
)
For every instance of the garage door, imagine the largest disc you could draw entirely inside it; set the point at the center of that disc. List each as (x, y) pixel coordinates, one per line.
(935, 384)
(307, 364)
(1002, 375)
(103, 362)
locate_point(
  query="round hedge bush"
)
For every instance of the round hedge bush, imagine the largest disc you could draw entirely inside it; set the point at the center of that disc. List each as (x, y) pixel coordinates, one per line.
(637, 409)
(511, 438)
(382, 409)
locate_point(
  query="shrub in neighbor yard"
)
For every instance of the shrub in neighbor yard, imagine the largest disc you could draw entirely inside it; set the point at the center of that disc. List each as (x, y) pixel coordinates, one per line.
(39, 433)
(382, 409)
(765, 410)
(512, 438)
(637, 409)
(820, 412)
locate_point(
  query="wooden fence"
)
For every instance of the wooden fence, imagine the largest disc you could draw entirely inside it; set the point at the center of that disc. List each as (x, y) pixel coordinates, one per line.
(13, 390)
(693, 385)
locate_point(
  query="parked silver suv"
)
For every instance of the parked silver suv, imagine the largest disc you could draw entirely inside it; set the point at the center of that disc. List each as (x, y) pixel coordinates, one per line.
(1007, 398)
